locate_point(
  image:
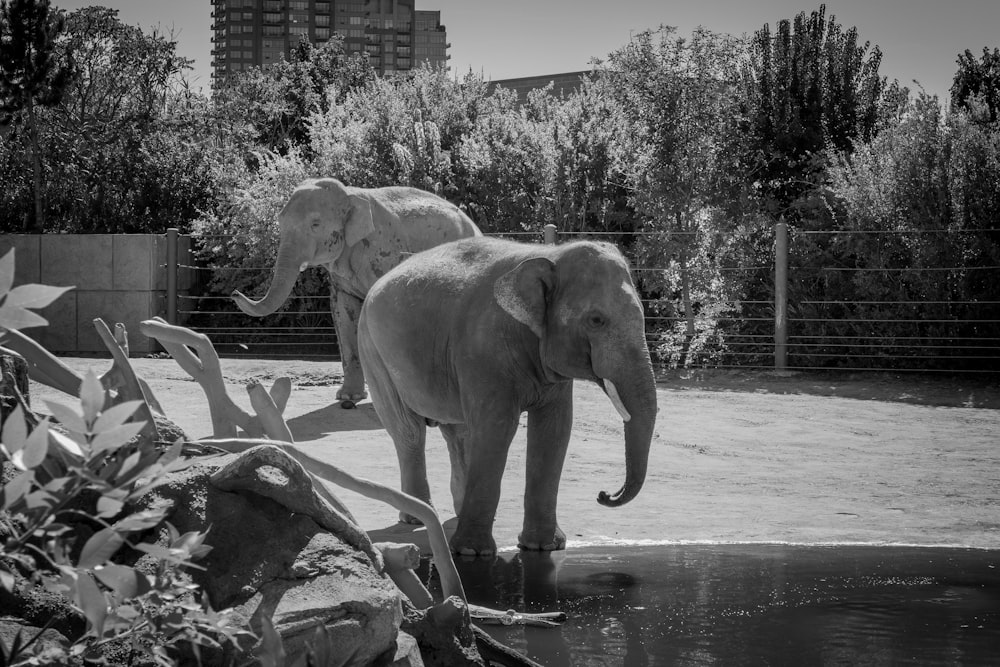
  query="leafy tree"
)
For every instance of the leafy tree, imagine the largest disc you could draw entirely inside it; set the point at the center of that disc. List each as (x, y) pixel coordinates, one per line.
(809, 85)
(133, 150)
(278, 99)
(929, 185)
(680, 95)
(31, 76)
(978, 82)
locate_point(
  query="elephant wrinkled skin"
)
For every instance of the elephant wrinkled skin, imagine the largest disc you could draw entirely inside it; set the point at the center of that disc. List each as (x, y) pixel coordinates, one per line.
(358, 234)
(471, 334)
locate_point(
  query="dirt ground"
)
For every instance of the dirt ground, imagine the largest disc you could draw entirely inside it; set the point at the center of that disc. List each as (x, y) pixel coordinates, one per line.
(737, 456)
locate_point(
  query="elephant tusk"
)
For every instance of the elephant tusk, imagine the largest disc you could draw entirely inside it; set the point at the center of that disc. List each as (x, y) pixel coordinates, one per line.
(303, 266)
(616, 400)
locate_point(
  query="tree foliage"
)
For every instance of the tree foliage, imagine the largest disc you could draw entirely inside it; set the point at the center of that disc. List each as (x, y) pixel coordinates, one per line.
(809, 85)
(978, 83)
(31, 78)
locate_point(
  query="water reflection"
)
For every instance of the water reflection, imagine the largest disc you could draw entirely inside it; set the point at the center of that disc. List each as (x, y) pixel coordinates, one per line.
(748, 604)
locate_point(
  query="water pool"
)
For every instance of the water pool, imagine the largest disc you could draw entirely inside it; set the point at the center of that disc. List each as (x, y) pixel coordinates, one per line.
(734, 604)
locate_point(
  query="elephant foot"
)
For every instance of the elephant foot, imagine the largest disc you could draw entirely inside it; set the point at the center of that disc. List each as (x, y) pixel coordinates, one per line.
(409, 519)
(350, 396)
(542, 540)
(475, 543)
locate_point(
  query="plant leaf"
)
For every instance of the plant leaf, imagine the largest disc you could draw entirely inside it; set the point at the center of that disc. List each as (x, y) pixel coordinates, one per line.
(33, 295)
(101, 546)
(17, 488)
(15, 431)
(91, 397)
(115, 416)
(6, 578)
(13, 317)
(116, 438)
(91, 602)
(67, 444)
(125, 581)
(141, 520)
(108, 506)
(34, 451)
(67, 416)
(272, 651)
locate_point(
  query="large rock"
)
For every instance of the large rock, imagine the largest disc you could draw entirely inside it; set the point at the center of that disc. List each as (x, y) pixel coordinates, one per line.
(268, 560)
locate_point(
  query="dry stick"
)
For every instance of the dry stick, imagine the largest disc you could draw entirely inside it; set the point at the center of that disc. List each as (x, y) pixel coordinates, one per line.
(275, 428)
(47, 369)
(130, 389)
(400, 560)
(206, 370)
(42, 365)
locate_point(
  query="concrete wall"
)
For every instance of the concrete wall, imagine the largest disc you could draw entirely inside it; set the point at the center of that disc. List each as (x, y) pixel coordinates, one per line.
(118, 277)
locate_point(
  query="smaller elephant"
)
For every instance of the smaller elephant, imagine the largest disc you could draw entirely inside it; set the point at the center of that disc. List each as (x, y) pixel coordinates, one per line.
(471, 334)
(358, 234)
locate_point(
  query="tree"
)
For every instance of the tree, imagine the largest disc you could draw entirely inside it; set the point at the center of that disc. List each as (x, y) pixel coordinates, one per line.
(680, 95)
(31, 76)
(278, 99)
(809, 85)
(977, 82)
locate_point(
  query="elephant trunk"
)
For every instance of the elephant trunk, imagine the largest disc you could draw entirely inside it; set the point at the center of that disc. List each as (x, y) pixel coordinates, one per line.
(286, 271)
(633, 392)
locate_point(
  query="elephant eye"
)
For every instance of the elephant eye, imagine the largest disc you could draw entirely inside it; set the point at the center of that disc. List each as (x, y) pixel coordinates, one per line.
(596, 320)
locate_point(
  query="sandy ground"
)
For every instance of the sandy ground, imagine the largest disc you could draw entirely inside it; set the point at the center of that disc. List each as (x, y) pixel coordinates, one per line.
(737, 456)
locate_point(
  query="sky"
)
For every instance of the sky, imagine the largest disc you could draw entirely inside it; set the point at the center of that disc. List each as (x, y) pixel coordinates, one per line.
(502, 39)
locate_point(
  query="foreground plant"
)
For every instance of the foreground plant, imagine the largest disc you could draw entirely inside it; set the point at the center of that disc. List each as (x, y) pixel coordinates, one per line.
(63, 480)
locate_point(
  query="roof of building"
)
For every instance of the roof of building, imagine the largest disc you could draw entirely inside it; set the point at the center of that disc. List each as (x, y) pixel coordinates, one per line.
(564, 83)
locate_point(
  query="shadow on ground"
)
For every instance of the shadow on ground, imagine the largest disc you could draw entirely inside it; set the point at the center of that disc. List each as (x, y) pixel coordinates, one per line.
(332, 418)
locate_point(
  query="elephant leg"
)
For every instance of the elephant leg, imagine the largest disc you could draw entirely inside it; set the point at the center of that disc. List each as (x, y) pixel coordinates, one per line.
(407, 429)
(548, 438)
(456, 435)
(346, 311)
(487, 443)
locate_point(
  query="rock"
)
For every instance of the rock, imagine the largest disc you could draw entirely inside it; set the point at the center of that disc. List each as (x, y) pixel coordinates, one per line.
(48, 649)
(269, 560)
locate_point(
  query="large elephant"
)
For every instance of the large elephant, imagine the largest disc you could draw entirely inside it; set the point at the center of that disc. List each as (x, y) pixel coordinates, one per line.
(358, 234)
(471, 334)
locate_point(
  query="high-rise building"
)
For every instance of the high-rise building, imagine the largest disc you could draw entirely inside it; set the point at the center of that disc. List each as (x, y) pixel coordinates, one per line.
(394, 34)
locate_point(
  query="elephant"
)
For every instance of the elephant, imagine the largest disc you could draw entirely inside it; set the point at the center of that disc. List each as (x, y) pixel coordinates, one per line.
(470, 334)
(358, 234)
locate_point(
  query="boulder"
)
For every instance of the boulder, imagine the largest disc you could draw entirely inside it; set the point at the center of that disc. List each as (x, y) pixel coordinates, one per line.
(270, 560)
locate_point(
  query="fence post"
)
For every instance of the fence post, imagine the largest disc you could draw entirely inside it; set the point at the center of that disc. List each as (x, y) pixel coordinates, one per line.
(550, 234)
(781, 295)
(172, 275)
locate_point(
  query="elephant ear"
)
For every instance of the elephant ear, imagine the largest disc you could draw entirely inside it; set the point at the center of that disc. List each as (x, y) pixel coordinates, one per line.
(523, 291)
(360, 224)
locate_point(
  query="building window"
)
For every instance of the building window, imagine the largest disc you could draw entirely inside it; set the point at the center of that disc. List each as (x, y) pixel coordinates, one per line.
(299, 30)
(355, 20)
(322, 20)
(272, 6)
(322, 33)
(299, 4)
(322, 7)
(274, 30)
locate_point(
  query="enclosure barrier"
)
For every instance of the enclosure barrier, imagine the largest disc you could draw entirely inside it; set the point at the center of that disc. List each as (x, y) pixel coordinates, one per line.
(784, 330)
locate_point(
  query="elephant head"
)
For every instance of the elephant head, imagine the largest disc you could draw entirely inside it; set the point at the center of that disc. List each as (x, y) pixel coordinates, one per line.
(320, 221)
(581, 304)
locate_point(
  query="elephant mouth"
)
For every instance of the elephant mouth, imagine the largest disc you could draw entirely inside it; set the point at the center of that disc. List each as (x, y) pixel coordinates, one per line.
(612, 391)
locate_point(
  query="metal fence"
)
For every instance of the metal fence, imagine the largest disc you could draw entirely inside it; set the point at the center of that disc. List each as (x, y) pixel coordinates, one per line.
(771, 324)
